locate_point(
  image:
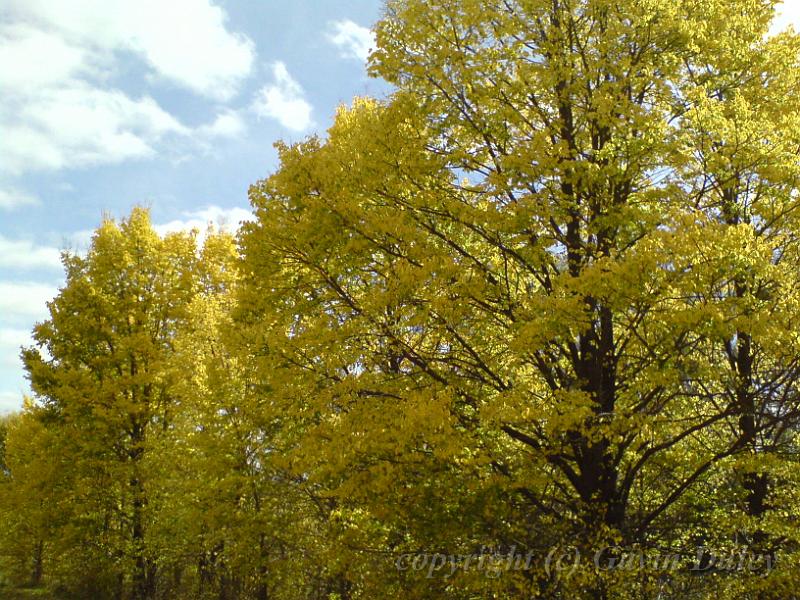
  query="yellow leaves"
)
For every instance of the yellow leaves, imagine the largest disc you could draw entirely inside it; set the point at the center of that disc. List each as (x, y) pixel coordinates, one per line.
(513, 301)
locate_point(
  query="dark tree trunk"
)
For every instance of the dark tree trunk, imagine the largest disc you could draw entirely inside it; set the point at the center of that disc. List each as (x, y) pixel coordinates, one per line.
(38, 560)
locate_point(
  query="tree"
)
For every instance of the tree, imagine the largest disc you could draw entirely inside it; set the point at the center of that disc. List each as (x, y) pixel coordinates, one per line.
(224, 496)
(29, 472)
(99, 371)
(538, 306)
(552, 259)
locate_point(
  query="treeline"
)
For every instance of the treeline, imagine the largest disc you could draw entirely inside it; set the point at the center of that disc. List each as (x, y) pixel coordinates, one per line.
(528, 328)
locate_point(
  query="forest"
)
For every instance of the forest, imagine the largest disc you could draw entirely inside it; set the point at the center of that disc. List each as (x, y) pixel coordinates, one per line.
(529, 327)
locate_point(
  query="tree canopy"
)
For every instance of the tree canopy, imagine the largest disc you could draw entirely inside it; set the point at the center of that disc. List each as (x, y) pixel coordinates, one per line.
(528, 327)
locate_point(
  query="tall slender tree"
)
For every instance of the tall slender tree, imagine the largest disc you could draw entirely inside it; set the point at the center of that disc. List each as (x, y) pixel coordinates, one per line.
(99, 368)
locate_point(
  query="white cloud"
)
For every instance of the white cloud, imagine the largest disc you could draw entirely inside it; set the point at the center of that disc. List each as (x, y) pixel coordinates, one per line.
(25, 299)
(352, 39)
(787, 13)
(184, 41)
(283, 101)
(12, 380)
(24, 254)
(58, 110)
(11, 340)
(10, 401)
(227, 124)
(77, 125)
(31, 59)
(78, 242)
(11, 198)
(228, 219)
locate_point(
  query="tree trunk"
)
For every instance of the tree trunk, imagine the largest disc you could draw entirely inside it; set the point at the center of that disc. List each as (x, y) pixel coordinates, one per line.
(38, 559)
(144, 572)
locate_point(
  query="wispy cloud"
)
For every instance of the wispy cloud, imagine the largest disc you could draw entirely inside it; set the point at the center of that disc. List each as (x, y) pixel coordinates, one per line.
(25, 254)
(353, 40)
(11, 198)
(227, 219)
(25, 300)
(284, 101)
(10, 401)
(11, 340)
(79, 125)
(56, 62)
(184, 41)
(227, 124)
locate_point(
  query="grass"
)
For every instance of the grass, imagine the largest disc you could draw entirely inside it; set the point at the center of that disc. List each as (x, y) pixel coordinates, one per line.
(26, 594)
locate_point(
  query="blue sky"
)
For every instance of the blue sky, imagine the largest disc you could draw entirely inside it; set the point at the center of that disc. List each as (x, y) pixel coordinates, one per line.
(174, 104)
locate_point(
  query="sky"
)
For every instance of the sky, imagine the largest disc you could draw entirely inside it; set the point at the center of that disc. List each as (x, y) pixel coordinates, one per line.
(175, 105)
